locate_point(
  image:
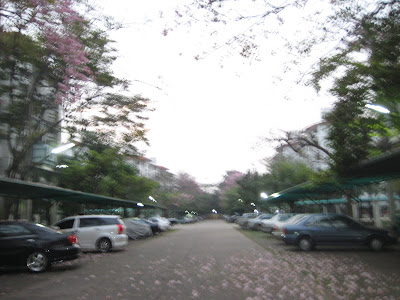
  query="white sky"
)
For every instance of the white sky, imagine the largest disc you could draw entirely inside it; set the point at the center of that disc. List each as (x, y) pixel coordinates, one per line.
(210, 113)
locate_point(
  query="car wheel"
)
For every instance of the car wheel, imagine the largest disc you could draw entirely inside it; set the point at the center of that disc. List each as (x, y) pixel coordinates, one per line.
(104, 245)
(305, 244)
(376, 244)
(37, 262)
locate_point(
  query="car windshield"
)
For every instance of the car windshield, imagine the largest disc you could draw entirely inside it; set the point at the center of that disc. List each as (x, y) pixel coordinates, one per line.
(295, 219)
(274, 218)
(344, 222)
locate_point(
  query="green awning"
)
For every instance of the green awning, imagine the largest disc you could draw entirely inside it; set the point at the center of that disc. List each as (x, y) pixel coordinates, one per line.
(31, 190)
(381, 168)
(342, 200)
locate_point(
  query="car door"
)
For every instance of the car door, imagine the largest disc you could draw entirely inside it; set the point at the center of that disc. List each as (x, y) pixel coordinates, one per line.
(88, 231)
(15, 242)
(320, 228)
(347, 231)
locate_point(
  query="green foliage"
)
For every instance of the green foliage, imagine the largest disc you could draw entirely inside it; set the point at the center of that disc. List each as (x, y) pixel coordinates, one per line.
(366, 71)
(250, 188)
(186, 194)
(48, 64)
(231, 203)
(107, 174)
(284, 173)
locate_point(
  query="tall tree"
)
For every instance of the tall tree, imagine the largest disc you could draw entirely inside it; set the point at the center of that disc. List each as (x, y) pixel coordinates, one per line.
(55, 71)
(53, 59)
(250, 188)
(105, 173)
(366, 70)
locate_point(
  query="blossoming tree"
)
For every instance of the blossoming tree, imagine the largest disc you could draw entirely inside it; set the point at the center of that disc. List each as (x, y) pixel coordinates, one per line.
(55, 72)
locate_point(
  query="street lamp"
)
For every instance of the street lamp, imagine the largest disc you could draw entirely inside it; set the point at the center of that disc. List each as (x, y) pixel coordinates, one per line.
(62, 148)
(378, 108)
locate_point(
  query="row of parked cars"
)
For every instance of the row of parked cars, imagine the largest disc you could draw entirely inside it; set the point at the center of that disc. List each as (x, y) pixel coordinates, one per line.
(310, 230)
(37, 247)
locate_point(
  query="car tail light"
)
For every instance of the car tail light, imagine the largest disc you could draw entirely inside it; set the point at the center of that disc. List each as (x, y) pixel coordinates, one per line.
(73, 239)
(284, 231)
(275, 228)
(120, 229)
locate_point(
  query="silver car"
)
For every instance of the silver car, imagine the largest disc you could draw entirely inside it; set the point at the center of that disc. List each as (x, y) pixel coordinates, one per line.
(96, 232)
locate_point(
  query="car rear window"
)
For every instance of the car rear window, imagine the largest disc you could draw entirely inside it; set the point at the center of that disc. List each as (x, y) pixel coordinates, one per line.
(39, 228)
(13, 230)
(110, 221)
(98, 221)
(319, 221)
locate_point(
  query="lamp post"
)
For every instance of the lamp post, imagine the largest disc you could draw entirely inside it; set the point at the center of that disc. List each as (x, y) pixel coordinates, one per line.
(37, 159)
(62, 148)
(378, 108)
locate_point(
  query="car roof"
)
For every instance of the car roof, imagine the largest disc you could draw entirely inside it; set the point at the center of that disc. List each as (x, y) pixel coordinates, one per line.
(94, 216)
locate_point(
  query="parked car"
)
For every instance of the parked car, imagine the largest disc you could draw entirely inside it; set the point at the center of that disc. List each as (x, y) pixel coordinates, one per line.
(154, 226)
(268, 225)
(96, 232)
(185, 220)
(173, 221)
(242, 220)
(256, 222)
(135, 228)
(232, 218)
(277, 230)
(334, 229)
(163, 223)
(34, 246)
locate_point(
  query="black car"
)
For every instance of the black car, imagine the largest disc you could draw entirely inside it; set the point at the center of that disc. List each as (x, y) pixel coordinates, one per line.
(34, 246)
(334, 229)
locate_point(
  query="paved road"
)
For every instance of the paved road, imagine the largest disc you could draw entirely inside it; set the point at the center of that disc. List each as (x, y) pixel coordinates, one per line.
(187, 262)
(208, 260)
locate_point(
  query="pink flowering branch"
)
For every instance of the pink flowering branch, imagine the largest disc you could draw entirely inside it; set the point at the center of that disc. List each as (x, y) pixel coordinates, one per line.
(53, 23)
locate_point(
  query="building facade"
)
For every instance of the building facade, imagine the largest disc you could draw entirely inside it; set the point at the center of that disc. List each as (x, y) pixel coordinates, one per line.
(308, 154)
(148, 168)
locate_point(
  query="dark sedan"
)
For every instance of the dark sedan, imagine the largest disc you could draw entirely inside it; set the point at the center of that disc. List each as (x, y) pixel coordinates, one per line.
(34, 246)
(334, 229)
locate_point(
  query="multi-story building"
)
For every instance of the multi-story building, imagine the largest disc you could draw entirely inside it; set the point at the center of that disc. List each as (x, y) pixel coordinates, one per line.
(149, 169)
(303, 151)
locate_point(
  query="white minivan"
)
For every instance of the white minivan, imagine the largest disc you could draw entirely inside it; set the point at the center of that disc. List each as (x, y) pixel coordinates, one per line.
(96, 232)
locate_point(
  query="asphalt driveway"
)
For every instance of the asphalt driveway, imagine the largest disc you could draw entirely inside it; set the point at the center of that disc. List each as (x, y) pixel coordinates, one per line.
(209, 260)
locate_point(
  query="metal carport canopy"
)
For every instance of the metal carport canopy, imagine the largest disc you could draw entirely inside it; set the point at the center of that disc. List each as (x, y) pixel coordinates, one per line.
(381, 168)
(30, 190)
